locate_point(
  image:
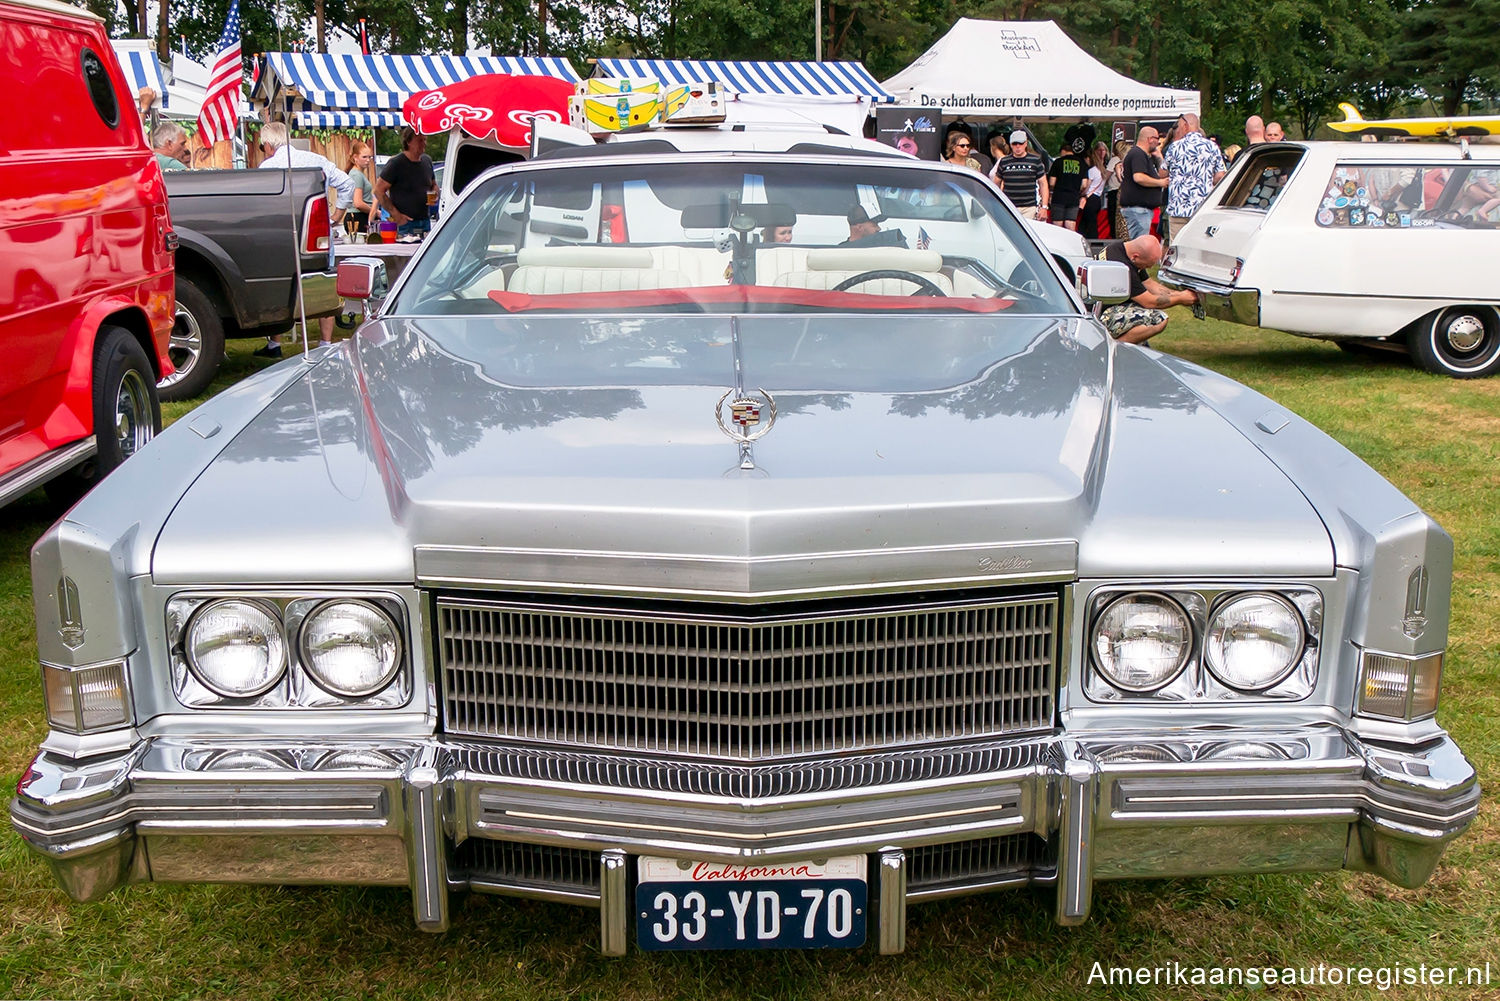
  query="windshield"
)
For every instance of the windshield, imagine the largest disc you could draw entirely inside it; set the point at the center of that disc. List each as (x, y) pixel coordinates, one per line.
(725, 235)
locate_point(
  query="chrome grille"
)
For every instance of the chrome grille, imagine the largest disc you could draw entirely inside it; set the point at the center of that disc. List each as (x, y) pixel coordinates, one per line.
(528, 866)
(958, 863)
(747, 686)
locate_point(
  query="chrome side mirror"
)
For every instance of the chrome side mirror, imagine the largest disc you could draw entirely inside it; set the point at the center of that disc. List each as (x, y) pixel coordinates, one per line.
(362, 278)
(1103, 282)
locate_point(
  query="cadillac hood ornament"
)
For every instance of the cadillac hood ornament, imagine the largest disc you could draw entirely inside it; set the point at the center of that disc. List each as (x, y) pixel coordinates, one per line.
(750, 417)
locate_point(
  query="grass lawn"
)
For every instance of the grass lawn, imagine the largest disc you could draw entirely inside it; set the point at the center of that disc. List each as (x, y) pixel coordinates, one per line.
(1438, 439)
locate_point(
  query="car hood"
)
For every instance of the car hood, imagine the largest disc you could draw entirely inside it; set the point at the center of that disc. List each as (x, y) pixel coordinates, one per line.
(589, 452)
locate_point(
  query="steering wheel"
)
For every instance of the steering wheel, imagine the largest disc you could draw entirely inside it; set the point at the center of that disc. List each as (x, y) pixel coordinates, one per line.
(924, 286)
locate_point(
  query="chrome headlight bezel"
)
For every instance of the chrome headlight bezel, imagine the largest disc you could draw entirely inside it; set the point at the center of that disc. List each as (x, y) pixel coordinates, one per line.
(307, 657)
(276, 648)
(296, 689)
(1143, 597)
(1220, 670)
(1195, 683)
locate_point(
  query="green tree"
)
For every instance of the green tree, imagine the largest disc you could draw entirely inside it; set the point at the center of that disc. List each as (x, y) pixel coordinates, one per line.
(1448, 48)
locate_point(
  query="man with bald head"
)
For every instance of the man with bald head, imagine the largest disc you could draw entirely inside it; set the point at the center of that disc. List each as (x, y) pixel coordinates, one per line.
(1140, 319)
(1255, 130)
(1275, 133)
(1194, 166)
(1142, 183)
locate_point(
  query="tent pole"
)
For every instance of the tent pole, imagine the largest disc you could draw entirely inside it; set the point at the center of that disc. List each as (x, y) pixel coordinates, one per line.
(818, 30)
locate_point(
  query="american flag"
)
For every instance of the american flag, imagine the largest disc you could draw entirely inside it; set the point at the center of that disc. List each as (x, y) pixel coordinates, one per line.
(221, 105)
(923, 239)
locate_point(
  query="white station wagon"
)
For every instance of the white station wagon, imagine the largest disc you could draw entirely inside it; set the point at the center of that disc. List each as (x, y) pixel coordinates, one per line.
(1387, 244)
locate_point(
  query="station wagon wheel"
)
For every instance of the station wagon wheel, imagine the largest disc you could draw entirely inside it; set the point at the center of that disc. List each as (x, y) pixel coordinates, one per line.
(924, 286)
(1460, 341)
(197, 343)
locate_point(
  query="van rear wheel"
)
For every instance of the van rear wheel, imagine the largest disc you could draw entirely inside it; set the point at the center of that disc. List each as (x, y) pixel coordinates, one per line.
(127, 412)
(1460, 341)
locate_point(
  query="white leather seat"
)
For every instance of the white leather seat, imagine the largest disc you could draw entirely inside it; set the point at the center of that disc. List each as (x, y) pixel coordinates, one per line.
(564, 270)
(778, 259)
(702, 265)
(827, 268)
(562, 281)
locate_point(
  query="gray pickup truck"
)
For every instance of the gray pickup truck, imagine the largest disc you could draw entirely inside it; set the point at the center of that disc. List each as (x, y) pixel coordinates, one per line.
(243, 239)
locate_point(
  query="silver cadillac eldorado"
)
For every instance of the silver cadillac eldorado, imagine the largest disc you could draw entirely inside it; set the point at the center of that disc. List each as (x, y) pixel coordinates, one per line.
(747, 543)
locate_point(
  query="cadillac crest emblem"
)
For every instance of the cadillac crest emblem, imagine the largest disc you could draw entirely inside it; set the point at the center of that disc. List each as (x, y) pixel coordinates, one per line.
(750, 415)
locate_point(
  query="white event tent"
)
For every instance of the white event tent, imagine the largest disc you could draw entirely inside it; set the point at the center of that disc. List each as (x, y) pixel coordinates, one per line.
(1027, 69)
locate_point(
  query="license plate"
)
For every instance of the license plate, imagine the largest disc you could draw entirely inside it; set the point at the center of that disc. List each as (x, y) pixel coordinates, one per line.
(780, 905)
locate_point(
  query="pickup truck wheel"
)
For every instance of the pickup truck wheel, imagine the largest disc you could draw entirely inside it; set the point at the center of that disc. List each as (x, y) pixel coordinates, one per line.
(127, 411)
(1460, 341)
(197, 344)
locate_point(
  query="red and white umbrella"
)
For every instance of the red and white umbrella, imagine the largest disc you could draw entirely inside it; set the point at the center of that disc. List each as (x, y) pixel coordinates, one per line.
(492, 105)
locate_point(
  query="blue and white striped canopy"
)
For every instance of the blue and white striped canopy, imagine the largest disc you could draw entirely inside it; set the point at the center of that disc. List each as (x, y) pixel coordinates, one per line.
(785, 78)
(347, 119)
(142, 68)
(319, 82)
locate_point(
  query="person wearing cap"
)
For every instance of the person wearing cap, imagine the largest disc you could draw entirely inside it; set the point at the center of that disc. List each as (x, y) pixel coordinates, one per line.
(865, 231)
(1023, 177)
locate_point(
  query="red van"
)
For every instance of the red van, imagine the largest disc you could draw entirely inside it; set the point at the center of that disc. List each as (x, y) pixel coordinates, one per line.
(86, 300)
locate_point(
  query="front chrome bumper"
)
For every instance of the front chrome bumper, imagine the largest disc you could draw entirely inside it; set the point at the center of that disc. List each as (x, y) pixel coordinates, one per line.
(1107, 806)
(1222, 302)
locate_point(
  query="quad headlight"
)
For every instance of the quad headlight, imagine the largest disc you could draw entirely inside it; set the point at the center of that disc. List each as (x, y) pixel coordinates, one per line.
(282, 650)
(1187, 642)
(235, 647)
(1253, 641)
(1142, 641)
(350, 648)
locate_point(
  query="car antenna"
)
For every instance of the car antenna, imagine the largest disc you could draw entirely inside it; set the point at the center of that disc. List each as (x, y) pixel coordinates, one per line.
(291, 197)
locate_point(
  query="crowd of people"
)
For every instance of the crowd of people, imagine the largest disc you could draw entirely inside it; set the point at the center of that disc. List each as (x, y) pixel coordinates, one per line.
(1103, 192)
(1137, 193)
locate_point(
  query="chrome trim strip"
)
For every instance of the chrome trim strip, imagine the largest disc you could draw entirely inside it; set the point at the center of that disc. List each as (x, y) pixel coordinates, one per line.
(1486, 300)
(614, 903)
(28, 476)
(728, 578)
(963, 889)
(709, 832)
(527, 891)
(890, 888)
